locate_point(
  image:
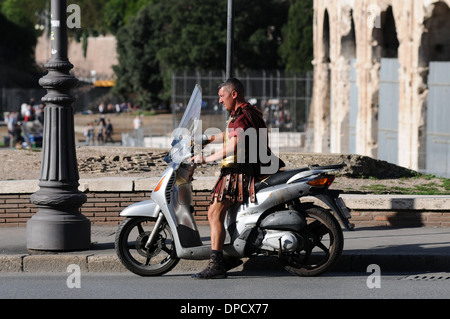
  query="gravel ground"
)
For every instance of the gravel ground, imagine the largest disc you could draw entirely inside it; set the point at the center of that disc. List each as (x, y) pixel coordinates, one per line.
(361, 175)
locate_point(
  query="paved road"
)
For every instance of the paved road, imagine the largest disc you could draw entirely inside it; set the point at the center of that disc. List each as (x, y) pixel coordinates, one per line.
(393, 249)
(239, 286)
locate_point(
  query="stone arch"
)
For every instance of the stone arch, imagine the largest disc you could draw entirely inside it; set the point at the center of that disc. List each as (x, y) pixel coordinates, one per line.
(430, 86)
(326, 37)
(435, 41)
(386, 35)
(389, 89)
(384, 45)
(322, 85)
(342, 64)
(349, 51)
(325, 143)
(348, 41)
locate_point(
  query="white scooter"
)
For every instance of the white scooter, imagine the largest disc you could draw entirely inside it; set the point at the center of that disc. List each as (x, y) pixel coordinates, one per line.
(306, 238)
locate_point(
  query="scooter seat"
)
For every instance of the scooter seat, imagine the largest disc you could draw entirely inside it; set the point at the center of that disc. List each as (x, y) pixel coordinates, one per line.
(278, 178)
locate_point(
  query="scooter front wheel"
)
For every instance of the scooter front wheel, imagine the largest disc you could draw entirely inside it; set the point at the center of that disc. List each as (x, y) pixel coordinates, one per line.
(130, 241)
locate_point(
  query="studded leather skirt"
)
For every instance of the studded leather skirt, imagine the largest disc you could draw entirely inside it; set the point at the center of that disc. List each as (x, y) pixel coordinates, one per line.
(235, 185)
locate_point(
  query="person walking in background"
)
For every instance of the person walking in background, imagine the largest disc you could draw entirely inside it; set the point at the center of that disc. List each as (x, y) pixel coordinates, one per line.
(138, 131)
(17, 136)
(108, 132)
(89, 134)
(137, 122)
(101, 131)
(11, 120)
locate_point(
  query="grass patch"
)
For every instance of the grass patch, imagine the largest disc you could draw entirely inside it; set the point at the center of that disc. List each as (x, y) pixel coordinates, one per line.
(436, 186)
(446, 184)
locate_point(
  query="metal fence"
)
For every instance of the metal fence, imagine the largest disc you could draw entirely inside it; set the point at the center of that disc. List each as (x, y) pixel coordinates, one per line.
(284, 98)
(86, 97)
(11, 99)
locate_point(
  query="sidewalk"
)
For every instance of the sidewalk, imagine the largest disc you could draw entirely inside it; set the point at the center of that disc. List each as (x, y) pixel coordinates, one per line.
(393, 249)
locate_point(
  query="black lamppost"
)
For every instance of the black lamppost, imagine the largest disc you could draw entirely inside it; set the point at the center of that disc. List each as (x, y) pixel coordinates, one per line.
(230, 39)
(230, 48)
(58, 224)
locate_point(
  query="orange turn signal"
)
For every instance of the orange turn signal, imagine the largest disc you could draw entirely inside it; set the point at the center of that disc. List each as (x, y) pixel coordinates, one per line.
(159, 184)
(323, 181)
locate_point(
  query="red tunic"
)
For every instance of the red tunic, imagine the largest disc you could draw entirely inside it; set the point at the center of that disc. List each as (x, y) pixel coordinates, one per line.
(236, 181)
(246, 122)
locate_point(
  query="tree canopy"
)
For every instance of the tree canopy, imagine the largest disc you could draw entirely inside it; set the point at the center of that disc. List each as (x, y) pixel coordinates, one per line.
(170, 35)
(156, 37)
(118, 13)
(138, 71)
(17, 43)
(296, 50)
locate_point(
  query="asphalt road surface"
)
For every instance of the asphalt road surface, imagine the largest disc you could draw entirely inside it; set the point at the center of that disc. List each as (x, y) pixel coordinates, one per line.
(239, 285)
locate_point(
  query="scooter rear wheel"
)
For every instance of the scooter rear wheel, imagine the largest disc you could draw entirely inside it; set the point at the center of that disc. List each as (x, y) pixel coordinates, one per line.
(324, 242)
(130, 241)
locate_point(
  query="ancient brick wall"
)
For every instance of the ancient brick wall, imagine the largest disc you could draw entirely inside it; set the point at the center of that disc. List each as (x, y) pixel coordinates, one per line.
(103, 208)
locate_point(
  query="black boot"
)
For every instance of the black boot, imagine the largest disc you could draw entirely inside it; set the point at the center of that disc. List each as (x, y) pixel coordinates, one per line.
(231, 262)
(215, 268)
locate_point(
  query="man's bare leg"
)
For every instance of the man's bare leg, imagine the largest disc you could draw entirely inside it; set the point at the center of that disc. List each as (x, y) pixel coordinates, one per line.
(216, 216)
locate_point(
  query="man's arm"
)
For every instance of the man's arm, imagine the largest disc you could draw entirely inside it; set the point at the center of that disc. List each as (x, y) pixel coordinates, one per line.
(228, 150)
(217, 138)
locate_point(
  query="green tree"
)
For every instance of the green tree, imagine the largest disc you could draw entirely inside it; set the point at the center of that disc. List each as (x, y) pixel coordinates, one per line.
(258, 25)
(138, 71)
(27, 14)
(92, 23)
(170, 35)
(23, 13)
(18, 39)
(193, 38)
(196, 35)
(118, 13)
(296, 50)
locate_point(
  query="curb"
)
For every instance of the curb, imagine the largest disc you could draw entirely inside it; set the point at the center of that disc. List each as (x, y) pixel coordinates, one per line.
(111, 264)
(87, 263)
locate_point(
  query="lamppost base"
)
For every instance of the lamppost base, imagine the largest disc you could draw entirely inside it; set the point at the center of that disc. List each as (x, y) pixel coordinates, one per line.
(58, 231)
(58, 225)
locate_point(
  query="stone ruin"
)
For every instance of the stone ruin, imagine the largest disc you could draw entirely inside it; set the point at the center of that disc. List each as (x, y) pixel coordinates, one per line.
(358, 34)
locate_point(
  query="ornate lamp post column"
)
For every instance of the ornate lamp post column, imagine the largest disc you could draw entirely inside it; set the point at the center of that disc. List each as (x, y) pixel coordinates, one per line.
(58, 224)
(230, 39)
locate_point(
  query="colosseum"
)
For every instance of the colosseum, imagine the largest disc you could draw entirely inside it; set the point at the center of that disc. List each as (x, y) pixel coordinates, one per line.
(382, 81)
